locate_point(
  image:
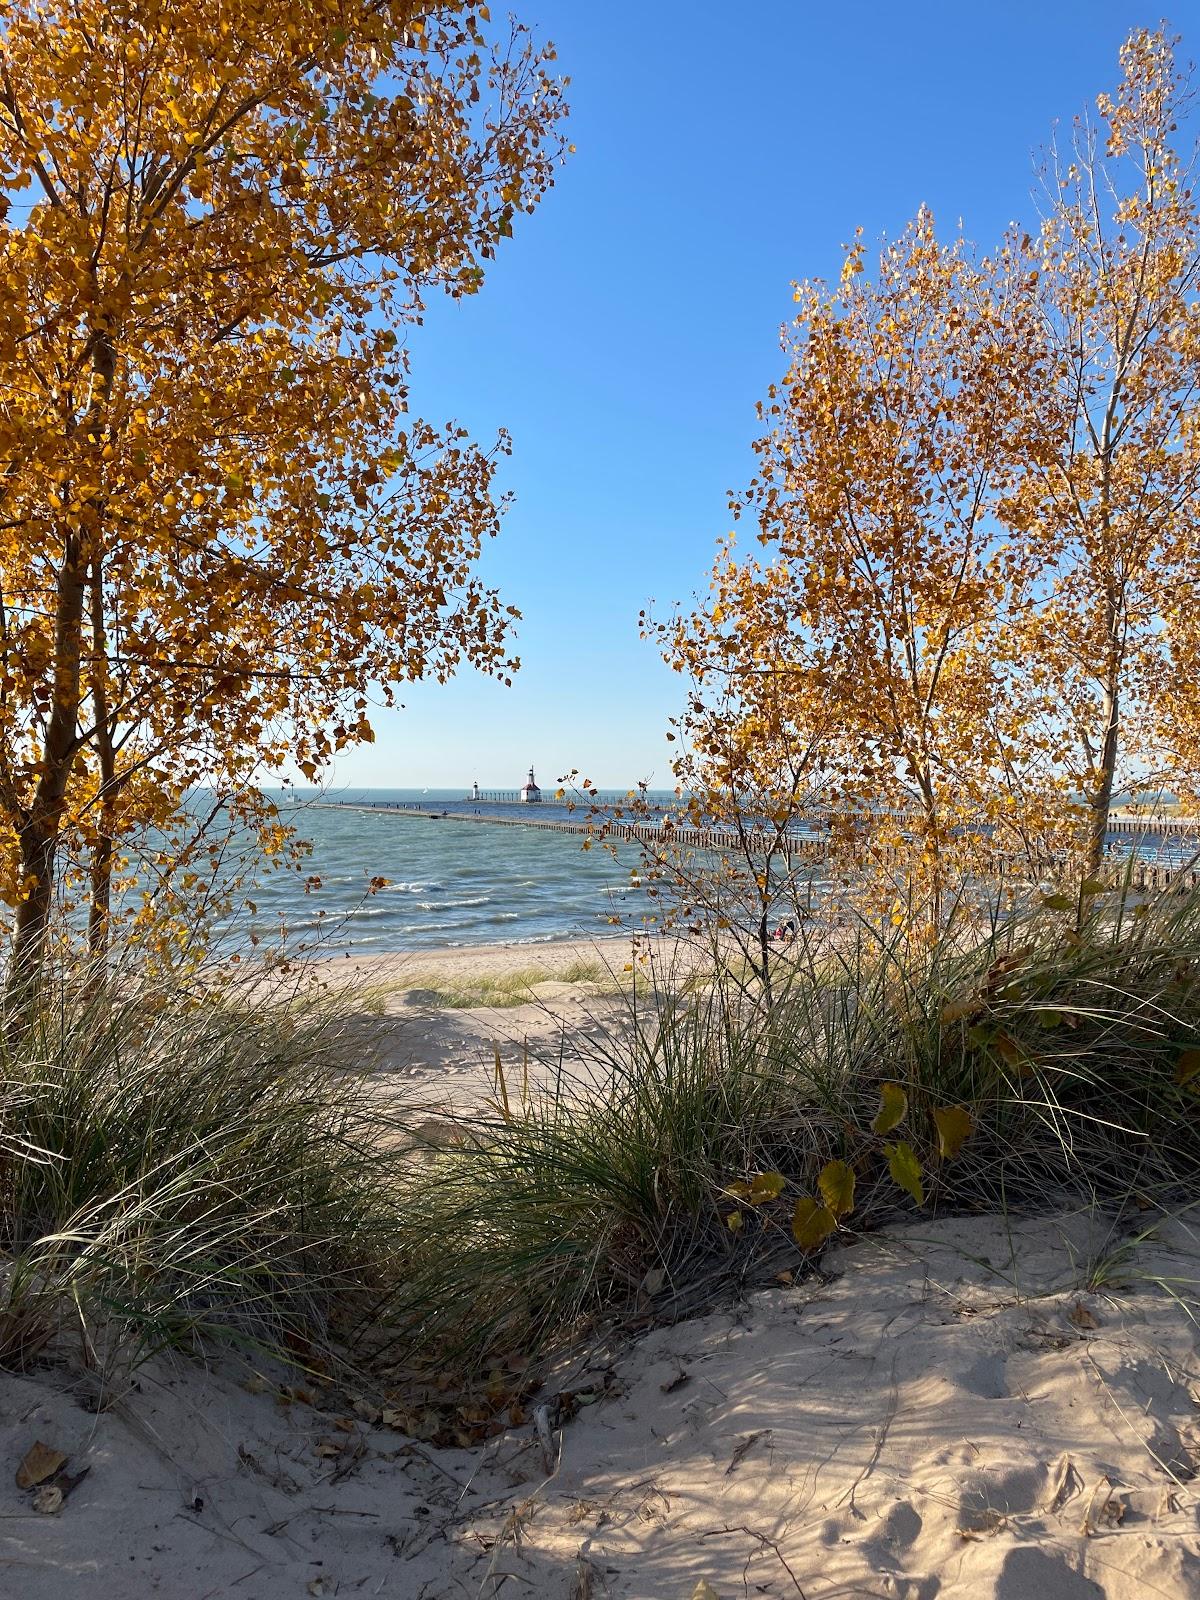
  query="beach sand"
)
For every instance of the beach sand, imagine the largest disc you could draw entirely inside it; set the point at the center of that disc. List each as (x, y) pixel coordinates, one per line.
(952, 1411)
(443, 1059)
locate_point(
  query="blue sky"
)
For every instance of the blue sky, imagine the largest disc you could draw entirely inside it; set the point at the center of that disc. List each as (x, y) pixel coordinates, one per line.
(626, 332)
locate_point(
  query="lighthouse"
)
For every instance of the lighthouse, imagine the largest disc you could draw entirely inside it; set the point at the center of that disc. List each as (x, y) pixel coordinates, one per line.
(530, 793)
(475, 790)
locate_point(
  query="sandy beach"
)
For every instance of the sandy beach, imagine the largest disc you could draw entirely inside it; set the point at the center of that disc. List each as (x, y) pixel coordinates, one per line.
(442, 1057)
(959, 1410)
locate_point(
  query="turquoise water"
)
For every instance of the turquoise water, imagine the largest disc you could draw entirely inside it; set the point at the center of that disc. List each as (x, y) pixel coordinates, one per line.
(450, 883)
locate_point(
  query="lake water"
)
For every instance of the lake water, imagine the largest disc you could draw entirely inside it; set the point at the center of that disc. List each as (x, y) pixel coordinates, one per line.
(453, 883)
(450, 883)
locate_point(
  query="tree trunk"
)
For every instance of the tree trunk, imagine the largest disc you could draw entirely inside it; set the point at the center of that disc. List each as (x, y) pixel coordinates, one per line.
(38, 837)
(100, 902)
(1100, 798)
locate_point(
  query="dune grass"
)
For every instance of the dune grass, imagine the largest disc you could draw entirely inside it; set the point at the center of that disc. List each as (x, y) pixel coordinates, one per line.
(206, 1166)
(498, 991)
(178, 1168)
(1061, 1057)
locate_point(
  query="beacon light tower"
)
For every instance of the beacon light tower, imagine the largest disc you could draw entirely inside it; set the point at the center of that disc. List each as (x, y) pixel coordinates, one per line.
(530, 793)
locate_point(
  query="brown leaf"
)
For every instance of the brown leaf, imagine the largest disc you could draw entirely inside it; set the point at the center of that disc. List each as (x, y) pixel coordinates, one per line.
(677, 1382)
(1081, 1316)
(745, 1445)
(41, 1461)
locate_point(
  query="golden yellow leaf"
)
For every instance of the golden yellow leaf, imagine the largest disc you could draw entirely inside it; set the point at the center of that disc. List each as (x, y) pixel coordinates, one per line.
(836, 1183)
(893, 1108)
(954, 1125)
(766, 1186)
(906, 1170)
(812, 1223)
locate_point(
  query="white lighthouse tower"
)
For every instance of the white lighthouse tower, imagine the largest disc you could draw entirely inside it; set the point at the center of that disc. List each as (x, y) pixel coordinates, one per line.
(530, 793)
(475, 790)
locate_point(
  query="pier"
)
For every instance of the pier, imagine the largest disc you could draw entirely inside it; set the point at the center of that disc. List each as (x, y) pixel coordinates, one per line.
(1144, 875)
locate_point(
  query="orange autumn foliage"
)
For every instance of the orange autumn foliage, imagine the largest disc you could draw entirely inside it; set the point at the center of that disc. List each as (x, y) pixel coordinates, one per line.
(219, 525)
(978, 489)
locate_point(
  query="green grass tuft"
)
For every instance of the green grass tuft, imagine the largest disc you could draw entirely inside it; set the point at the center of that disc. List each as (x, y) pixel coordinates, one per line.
(499, 991)
(183, 1167)
(1063, 1048)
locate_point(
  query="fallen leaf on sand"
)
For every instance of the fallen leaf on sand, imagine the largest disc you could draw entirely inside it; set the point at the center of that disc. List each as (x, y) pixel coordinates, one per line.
(48, 1500)
(1081, 1316)
(743, 1446)
(41, 1461)
(677, 1382)
(704, 1591)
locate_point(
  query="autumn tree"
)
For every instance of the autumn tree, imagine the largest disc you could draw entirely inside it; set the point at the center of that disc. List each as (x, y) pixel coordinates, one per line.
(869, 643)
(744, 772)
(979, 490)
(1107, 505)
(219, 525)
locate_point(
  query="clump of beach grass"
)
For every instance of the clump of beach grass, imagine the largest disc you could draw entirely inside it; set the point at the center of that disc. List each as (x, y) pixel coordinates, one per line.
(199, 1166)
(441, 990)
(185, 1167)
(1029, 1062)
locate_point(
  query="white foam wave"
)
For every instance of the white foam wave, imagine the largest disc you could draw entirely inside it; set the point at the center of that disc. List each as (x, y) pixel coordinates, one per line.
(453, 905)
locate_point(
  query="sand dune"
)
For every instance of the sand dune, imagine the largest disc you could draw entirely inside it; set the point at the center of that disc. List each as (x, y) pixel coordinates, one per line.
(959, 1410)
